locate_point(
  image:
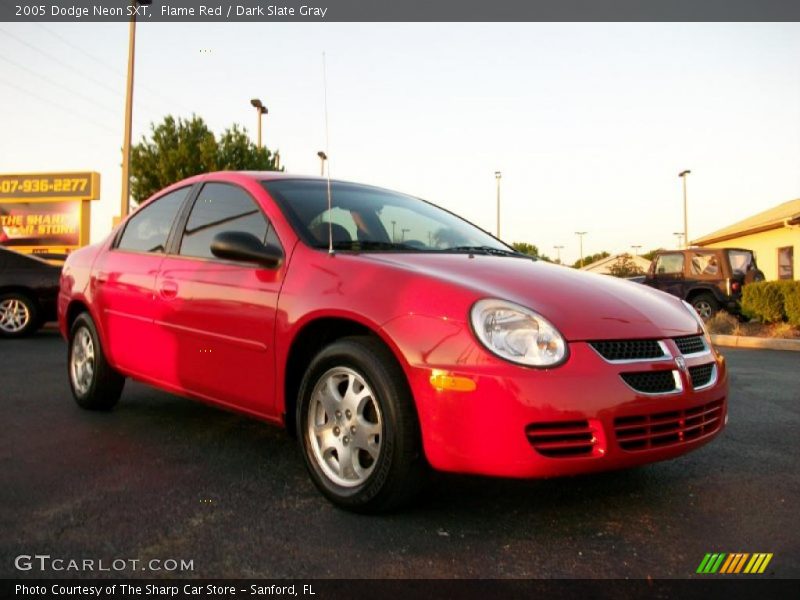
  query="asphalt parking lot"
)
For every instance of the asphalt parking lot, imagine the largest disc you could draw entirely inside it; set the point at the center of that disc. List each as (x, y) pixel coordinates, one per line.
(168, 478)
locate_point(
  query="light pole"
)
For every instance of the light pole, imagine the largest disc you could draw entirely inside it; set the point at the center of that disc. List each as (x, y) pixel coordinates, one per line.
(636, 248)
(260, 111)
(497, 176)
(322, 158)
(679, 235)
(394, 237)
(683, 175)
(580, 235)
(403, 234)
(125, 200)
(558, 253)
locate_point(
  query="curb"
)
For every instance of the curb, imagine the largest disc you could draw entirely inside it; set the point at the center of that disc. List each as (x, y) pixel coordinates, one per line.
(741, 341)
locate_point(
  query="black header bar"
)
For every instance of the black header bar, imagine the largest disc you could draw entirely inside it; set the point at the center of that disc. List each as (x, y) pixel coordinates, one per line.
(316, 11)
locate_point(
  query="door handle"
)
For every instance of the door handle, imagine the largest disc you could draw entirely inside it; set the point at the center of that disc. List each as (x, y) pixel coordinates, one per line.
(101, 277)
(168, 289)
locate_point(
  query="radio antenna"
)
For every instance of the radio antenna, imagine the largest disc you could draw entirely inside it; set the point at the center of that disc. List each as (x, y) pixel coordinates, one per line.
(327, 153)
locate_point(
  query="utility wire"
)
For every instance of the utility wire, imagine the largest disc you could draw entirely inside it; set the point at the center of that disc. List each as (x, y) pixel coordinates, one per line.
(49, 81)
(56, 105)
(62, 63)
(107, 66)
(70, 67)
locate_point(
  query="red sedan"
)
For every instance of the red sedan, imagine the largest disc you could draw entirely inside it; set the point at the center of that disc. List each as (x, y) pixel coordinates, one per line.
(389, 334)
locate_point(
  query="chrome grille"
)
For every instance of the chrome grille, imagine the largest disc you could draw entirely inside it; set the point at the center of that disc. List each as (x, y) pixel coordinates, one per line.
(652, 382)
(625, 350)
(701, 375)
(691, 344)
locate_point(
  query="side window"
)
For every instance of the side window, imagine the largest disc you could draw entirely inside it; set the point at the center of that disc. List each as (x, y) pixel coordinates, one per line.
(786, 262)
(704, 264)
(148, 229)
(669, 263)
(221, 207)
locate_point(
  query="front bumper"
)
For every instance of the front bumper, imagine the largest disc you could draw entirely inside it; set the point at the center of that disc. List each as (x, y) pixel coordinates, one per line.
(580, 417)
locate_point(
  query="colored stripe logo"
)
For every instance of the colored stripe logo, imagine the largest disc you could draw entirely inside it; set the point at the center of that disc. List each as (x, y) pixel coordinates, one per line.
(733, 563)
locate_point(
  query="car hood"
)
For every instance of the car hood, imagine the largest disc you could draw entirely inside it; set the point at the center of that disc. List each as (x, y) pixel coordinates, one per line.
(583, 306)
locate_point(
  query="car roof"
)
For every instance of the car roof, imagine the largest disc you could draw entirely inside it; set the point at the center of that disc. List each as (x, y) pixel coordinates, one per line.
(23, 255)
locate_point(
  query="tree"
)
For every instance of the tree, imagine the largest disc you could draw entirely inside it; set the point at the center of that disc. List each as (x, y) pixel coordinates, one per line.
(180, 148)
(530, 249)
(587, 260)
(525, 248)
(652, 254)
(624, 266)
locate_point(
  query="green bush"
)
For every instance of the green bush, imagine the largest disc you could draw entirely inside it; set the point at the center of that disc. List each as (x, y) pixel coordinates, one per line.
(763, 301)
(791, 301)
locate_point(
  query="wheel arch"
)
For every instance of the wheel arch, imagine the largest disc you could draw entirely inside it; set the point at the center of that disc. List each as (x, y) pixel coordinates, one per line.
(75, 308)
(22, 290)
(312, 337)
(697, 291)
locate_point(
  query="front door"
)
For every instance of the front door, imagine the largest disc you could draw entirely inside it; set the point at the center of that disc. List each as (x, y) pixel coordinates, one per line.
(668, 273)
(220, 315)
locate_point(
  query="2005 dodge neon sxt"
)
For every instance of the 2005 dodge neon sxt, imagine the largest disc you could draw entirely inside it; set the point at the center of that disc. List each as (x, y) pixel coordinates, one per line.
(389, 334)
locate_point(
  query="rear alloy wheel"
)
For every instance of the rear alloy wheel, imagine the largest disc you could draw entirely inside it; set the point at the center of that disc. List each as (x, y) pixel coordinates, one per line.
(18, 315)
(95, 384)
(705, 305)
(358, 427)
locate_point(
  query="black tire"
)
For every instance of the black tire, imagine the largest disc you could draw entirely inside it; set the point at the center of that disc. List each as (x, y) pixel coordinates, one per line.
(104, 386)
(395, 477)
(705, 305)
(24, 308)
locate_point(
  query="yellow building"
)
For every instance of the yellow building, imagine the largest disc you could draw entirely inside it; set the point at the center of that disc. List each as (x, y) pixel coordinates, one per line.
(774, 236)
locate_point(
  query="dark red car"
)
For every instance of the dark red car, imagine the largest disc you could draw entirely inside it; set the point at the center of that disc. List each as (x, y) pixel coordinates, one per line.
(418, 340)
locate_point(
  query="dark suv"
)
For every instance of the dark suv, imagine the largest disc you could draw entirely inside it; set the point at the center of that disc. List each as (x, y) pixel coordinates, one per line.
(707, 278)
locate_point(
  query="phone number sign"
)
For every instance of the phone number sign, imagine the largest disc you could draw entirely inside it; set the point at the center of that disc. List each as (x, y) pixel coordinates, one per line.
(62, 186)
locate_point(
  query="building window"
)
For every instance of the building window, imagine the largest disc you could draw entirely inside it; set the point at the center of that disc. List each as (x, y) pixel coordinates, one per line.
(786, 262)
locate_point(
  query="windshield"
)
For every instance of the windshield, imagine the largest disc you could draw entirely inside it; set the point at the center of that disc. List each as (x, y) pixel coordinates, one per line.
(371, 219)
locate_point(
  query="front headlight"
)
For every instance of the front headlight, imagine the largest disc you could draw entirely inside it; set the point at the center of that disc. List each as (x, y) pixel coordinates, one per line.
(518, 334)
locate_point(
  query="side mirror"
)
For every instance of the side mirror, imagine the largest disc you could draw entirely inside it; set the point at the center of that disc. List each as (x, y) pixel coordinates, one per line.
(245, 247)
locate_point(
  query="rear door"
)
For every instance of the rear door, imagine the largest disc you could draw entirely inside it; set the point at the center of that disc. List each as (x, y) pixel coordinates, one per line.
(123, 285)
(668, 273)
(219, 315)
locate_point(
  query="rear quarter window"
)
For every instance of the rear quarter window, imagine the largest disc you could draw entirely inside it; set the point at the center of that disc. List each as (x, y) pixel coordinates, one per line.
(704, 264)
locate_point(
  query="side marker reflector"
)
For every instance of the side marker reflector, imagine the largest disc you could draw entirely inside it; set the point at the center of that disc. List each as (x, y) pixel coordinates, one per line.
(444, 381)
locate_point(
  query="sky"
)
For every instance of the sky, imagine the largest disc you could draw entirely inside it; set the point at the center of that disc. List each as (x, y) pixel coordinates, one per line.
(589, 124)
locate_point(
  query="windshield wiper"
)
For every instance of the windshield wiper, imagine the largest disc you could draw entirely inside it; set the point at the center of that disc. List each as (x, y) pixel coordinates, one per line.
(490, 250)
(367, 245)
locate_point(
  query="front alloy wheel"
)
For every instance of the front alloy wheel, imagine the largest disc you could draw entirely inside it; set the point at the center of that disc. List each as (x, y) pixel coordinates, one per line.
(345, 427)
(358, 427)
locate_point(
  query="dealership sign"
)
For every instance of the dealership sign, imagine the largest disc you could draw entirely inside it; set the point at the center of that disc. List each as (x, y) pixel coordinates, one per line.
(47, 212)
